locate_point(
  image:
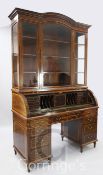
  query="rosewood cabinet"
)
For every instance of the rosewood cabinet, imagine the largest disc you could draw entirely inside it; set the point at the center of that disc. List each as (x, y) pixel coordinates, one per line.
(49, 83)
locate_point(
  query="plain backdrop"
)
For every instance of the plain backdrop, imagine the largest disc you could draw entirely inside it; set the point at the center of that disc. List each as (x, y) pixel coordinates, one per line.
(86, 11)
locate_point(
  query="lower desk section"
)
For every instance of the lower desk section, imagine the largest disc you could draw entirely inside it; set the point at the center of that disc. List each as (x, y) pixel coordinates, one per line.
(32, 136)
(82, 131)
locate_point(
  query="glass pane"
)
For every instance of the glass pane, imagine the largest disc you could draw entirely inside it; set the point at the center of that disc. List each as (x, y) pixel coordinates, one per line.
(80, 38)
(30, 79)
(56, 49)
(56, 79)
(29, 46)
(79, 65)
(55, 64)
(81, 51)
(57, 32)
(15, 39)
(79, 57)
(80, 45)
(15, 54)
(15, 82)
(56, 55)
(30, 63)
(80, 78)
(29, 55)
(29, 30)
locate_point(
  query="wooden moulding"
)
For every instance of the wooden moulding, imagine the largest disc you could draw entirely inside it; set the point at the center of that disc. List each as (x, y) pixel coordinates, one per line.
(50, 15)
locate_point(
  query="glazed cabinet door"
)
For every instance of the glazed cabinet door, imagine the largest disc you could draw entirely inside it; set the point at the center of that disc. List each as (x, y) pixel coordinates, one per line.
(56, 55)
(80, 58)
(15, 54)
(29, 52)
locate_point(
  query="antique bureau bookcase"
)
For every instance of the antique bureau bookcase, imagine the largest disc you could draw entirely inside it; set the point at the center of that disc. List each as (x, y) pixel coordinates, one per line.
(49, 83)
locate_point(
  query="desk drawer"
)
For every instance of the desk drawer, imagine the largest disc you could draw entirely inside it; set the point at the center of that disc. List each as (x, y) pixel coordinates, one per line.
(40, 153)
(92, 119)
(89, 113)
(75, 115)
(89, 138)
(40, 141)
(65, 117)
(38, 122)
(39, 131)
(58, 118)
(90, 128)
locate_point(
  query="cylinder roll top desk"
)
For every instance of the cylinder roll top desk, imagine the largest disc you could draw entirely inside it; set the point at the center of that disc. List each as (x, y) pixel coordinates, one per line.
(49, 83)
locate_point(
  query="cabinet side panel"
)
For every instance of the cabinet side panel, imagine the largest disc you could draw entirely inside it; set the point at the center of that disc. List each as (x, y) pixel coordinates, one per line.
(20, 135)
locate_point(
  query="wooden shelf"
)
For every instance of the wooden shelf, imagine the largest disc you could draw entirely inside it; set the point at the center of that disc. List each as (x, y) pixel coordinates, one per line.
(79, 58)
(79, 72)
(79, 44)
(29, 72)
(54, 56)
(29, 55)
(29, 37)
(58, 41)
(55, 72)
(15, 54)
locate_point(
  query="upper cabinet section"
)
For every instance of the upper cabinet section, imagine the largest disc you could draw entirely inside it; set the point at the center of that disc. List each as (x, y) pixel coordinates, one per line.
(49, 50)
